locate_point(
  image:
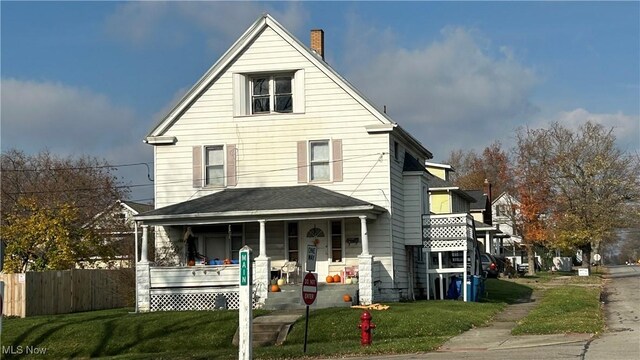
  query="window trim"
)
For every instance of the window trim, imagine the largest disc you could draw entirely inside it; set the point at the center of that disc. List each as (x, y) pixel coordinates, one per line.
(205, 166)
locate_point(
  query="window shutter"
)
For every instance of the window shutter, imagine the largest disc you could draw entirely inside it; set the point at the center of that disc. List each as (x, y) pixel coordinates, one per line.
(298, 88)
(240, 95)
(302, 162)
(232, 177)
(197, 166)
(337, 160)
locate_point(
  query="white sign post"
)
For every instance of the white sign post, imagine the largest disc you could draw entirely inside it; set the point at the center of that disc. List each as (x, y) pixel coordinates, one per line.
(311, 258)
(245, 320)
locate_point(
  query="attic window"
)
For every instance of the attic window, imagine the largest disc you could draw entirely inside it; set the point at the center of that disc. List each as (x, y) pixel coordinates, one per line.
(271, 94)
(282, 92)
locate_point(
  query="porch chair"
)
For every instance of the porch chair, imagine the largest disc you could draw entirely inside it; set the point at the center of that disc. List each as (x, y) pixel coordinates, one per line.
(287, 269)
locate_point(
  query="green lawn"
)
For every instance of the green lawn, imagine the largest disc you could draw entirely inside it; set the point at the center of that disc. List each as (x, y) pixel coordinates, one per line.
(565, 309)
(404, 327)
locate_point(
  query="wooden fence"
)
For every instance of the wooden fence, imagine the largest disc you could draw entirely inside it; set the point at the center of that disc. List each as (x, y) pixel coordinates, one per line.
(67, 291)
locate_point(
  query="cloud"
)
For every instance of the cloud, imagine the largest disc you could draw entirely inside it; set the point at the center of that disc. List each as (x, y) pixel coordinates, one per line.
(71, 121)
(222, 23)
(625, 127)
(456, 92)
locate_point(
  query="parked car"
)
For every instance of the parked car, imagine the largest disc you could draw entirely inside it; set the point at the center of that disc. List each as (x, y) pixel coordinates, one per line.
(489, 265)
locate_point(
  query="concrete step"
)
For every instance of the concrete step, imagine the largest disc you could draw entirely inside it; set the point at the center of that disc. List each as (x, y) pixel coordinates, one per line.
(271, 329)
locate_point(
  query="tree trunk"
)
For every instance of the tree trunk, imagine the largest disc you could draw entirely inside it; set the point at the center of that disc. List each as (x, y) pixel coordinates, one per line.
(531, 257)
(586, 256)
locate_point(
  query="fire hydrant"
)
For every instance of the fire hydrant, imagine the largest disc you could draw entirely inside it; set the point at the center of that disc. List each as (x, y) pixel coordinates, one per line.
(367, 327)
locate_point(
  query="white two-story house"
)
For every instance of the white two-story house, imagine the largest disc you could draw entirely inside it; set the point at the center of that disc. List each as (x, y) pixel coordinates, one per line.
(274, 150)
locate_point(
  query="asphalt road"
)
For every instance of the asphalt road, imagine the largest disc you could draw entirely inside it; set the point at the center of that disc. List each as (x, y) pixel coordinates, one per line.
(622, 311)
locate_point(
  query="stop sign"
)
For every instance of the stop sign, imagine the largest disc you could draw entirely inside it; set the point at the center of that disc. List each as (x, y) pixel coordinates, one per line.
(310, 288)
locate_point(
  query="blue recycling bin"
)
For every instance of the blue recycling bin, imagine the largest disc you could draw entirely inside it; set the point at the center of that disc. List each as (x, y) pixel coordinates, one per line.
(475, 288)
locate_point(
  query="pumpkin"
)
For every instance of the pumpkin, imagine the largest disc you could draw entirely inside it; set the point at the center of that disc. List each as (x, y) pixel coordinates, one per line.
(346, 298)
(347, 281)
(275, 288)
(226, 262)
(191, 263)
(280, 282)
(336, 278)
(329, 279)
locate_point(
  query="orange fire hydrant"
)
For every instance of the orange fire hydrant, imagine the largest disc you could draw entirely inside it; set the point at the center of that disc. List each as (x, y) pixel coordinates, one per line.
(367, 328)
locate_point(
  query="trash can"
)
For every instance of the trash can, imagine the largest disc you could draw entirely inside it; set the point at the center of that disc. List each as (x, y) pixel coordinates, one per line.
(475, 288)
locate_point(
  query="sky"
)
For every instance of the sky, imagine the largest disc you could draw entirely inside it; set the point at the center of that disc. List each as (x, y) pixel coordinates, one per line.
(93, 78)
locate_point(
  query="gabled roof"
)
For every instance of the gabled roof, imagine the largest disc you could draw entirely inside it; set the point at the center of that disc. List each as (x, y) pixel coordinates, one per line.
(506, 196)
(304, 200)
(136, 208)
(232, 54)
(480, 199)
(435, 183)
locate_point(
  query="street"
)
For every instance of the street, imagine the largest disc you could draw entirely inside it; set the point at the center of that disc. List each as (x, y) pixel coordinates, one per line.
(622, 311)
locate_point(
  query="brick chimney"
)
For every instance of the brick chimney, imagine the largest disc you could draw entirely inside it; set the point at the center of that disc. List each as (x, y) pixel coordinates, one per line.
(317, 42)
(487, 189)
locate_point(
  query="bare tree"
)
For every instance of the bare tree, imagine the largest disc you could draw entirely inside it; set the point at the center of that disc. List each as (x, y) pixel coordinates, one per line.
(47, 204)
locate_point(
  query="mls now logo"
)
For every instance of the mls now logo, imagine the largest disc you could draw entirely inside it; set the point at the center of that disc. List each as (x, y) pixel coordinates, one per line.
(23, 350)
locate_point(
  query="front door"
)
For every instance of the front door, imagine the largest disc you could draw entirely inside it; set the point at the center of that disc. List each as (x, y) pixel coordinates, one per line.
(315, 233)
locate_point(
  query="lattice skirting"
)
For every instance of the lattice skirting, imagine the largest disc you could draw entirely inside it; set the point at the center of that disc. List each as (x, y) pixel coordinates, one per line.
(198, 300)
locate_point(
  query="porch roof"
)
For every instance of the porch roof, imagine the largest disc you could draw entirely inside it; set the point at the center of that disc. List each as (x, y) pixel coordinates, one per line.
(269, 203)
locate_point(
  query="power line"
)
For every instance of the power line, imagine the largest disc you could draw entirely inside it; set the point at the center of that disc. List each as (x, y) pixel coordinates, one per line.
(175, 182)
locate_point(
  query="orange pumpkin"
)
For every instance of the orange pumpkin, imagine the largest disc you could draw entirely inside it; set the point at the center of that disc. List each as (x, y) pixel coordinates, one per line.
(336, 278)
(275, 288)
(329, 279)
(346, 298)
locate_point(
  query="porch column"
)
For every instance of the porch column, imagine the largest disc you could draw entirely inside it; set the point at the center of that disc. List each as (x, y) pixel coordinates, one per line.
(143, 275)
(262, 270)
(365, 279)
(364, 235)
(145, 241)
(487, 243)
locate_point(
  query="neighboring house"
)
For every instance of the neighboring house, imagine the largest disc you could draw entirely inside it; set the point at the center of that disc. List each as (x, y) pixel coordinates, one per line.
(444, 196)
(488, 233)
(118, 229)
(274, 150)
(447, 198)
(505, 213)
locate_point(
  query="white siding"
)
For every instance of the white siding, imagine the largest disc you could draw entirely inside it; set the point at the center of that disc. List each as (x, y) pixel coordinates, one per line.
(266, 148)
(266, 144)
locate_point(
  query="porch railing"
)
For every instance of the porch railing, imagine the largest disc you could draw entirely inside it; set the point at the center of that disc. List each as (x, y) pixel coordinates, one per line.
(207, 287)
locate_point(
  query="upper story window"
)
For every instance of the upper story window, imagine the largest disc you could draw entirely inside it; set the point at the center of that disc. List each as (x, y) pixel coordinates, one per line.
(214, 165)
(281, 92)
(214, 171)
(271, 94)
(319, 160)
